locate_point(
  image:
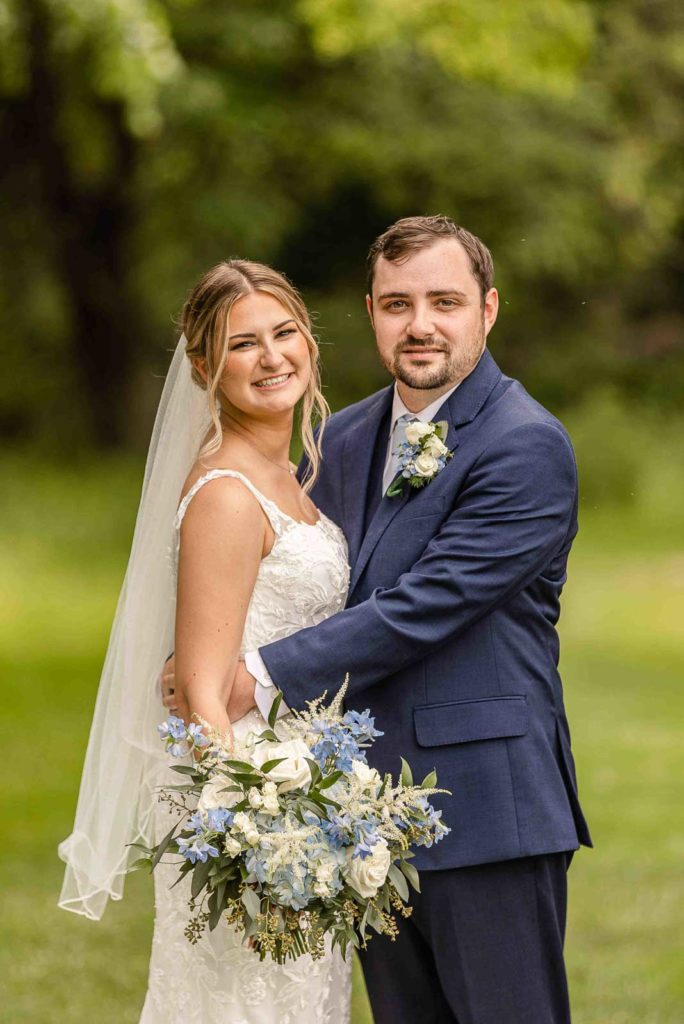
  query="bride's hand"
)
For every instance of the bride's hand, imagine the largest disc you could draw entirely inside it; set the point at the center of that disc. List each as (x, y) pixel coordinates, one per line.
(172, 698)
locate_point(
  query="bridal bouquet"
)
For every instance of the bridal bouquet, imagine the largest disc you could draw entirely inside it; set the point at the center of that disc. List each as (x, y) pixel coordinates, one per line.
(291, 835)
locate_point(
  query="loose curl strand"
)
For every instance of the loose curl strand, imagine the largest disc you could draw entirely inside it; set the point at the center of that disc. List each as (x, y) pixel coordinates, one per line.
(205, 323)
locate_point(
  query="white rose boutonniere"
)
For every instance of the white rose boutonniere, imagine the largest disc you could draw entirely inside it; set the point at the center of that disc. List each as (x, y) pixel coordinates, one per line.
(422, 455)
(415, 432)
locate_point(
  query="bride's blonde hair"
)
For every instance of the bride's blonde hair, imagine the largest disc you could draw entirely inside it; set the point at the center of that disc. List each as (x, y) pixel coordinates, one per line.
(205, 323)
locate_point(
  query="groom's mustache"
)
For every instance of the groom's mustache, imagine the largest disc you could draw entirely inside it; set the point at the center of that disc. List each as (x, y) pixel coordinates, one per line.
(421, 343)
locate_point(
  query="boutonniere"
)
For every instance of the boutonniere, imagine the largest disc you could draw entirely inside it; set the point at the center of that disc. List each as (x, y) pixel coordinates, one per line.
(421, 456)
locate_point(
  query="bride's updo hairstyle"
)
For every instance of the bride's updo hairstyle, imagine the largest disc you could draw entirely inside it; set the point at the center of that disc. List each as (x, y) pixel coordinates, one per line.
(205, 323)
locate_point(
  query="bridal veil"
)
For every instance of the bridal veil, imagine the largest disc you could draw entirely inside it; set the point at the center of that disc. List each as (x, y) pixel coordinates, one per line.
(125, 760)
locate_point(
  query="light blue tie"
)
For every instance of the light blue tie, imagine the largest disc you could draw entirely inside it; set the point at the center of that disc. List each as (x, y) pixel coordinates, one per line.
(397, 439)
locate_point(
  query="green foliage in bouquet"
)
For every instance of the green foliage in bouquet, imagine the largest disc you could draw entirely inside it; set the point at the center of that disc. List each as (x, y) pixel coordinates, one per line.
(289, 836)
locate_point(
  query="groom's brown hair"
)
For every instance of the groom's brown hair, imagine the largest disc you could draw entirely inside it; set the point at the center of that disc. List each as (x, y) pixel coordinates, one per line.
(411, 234)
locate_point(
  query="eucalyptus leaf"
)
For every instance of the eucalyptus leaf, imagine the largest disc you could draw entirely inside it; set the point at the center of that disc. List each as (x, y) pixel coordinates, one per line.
(268, 736)
(268, 766)
(411, 874)
(316, 773)
(239, 766)
(215, 911)
(199, 877)
(406, 773)
(330, 780)
(251, 902)
(161, 849)
(399, 882)
(273, 713)
(430, 780)
(141, 862)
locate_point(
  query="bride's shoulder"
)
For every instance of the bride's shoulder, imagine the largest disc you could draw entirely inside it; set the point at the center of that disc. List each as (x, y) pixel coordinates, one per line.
(210, 487)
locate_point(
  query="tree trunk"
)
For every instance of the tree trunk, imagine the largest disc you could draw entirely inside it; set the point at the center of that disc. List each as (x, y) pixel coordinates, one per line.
(90, 223)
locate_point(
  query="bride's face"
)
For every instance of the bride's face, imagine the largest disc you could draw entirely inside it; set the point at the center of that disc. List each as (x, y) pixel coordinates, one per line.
(268, 366)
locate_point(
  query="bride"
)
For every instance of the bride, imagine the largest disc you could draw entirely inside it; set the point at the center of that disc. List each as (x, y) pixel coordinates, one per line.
(229, 554)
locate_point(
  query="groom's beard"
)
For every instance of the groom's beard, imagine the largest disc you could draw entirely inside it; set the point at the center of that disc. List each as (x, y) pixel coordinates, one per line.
(458, 362)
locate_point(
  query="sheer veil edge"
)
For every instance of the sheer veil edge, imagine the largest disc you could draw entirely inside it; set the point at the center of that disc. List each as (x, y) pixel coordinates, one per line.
(125, 761)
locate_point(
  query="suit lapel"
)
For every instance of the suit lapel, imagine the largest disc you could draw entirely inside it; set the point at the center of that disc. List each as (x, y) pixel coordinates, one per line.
(358, 455)
(461, 408)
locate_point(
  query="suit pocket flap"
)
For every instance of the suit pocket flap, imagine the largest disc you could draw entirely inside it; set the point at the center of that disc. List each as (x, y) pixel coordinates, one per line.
(465, 721)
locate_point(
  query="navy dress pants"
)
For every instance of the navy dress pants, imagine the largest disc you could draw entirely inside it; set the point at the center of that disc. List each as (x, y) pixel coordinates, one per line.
(484, 945)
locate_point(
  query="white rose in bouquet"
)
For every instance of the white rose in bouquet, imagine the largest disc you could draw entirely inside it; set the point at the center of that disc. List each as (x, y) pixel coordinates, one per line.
(293, 772)
(214, 794)
(367, 874)
(426, 464)
(415, 431)
(367, 776)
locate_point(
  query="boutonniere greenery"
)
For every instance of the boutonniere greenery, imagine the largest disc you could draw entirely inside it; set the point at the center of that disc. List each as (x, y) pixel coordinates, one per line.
(422, 455)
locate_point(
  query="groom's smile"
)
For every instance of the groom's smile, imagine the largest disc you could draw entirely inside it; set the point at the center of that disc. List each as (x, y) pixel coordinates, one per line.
(430, 319)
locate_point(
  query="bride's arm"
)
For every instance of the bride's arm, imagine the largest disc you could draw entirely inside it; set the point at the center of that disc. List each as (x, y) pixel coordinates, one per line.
(220, 550)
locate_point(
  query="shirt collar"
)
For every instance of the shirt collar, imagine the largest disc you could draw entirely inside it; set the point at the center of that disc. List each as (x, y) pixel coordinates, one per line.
(425, 415)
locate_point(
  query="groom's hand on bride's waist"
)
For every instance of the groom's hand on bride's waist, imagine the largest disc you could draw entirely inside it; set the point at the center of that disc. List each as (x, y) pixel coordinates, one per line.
(241, 698)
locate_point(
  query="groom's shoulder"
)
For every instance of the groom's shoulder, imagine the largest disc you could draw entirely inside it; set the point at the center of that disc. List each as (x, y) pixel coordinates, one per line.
(348, 418)
(518, 420)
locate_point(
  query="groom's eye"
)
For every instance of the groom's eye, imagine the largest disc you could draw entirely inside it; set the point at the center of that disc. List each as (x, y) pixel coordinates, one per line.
(396, 304)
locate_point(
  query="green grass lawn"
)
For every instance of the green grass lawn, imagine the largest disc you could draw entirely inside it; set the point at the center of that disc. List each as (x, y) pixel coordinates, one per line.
(63, 544)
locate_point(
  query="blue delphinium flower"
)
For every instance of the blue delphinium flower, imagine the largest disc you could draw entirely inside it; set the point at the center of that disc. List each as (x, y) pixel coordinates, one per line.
(362, 725)
(178, 749)
(338, 829)
(195, 822)
(196, 736)
(433, 821)
(365, 837)
(173, 728)
(347, 752)
(196, 850)
(219, 819)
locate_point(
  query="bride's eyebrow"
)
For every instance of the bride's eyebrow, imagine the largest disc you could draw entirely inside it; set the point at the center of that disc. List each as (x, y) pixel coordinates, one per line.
(251, 334)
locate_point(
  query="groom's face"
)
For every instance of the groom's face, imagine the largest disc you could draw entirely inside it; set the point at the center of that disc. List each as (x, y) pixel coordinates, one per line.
(429, 316)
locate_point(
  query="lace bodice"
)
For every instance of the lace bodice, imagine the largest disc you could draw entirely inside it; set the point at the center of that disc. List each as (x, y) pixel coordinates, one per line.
(304, 578)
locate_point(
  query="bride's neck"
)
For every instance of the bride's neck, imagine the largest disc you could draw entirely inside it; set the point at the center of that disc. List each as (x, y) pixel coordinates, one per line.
(271, 436)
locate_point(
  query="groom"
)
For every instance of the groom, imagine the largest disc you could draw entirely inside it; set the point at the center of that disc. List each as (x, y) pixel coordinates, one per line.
(449, 638)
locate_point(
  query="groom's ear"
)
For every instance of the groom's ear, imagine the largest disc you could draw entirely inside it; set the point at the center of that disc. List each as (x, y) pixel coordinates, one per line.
(369, 307)
(491, 309)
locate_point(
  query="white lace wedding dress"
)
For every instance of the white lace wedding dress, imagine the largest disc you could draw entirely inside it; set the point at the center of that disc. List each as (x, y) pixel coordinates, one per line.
(303, 580)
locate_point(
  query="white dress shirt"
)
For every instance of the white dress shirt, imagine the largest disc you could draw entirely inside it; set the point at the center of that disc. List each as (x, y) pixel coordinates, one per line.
(265, 690)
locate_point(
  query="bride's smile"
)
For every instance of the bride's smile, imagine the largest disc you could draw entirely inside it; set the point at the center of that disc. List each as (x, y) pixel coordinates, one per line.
(268, 366)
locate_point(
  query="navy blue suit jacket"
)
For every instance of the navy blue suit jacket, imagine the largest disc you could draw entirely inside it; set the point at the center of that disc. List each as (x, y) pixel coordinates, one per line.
(449, 631)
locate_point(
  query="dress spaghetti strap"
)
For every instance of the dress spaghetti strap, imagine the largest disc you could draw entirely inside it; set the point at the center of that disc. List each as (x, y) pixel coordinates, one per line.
(272, 512)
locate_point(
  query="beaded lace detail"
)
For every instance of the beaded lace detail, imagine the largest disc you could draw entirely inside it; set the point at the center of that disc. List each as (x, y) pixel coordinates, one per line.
(303, 580)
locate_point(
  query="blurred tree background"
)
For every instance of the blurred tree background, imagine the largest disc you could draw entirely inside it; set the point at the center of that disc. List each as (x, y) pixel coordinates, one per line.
(147, 139)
